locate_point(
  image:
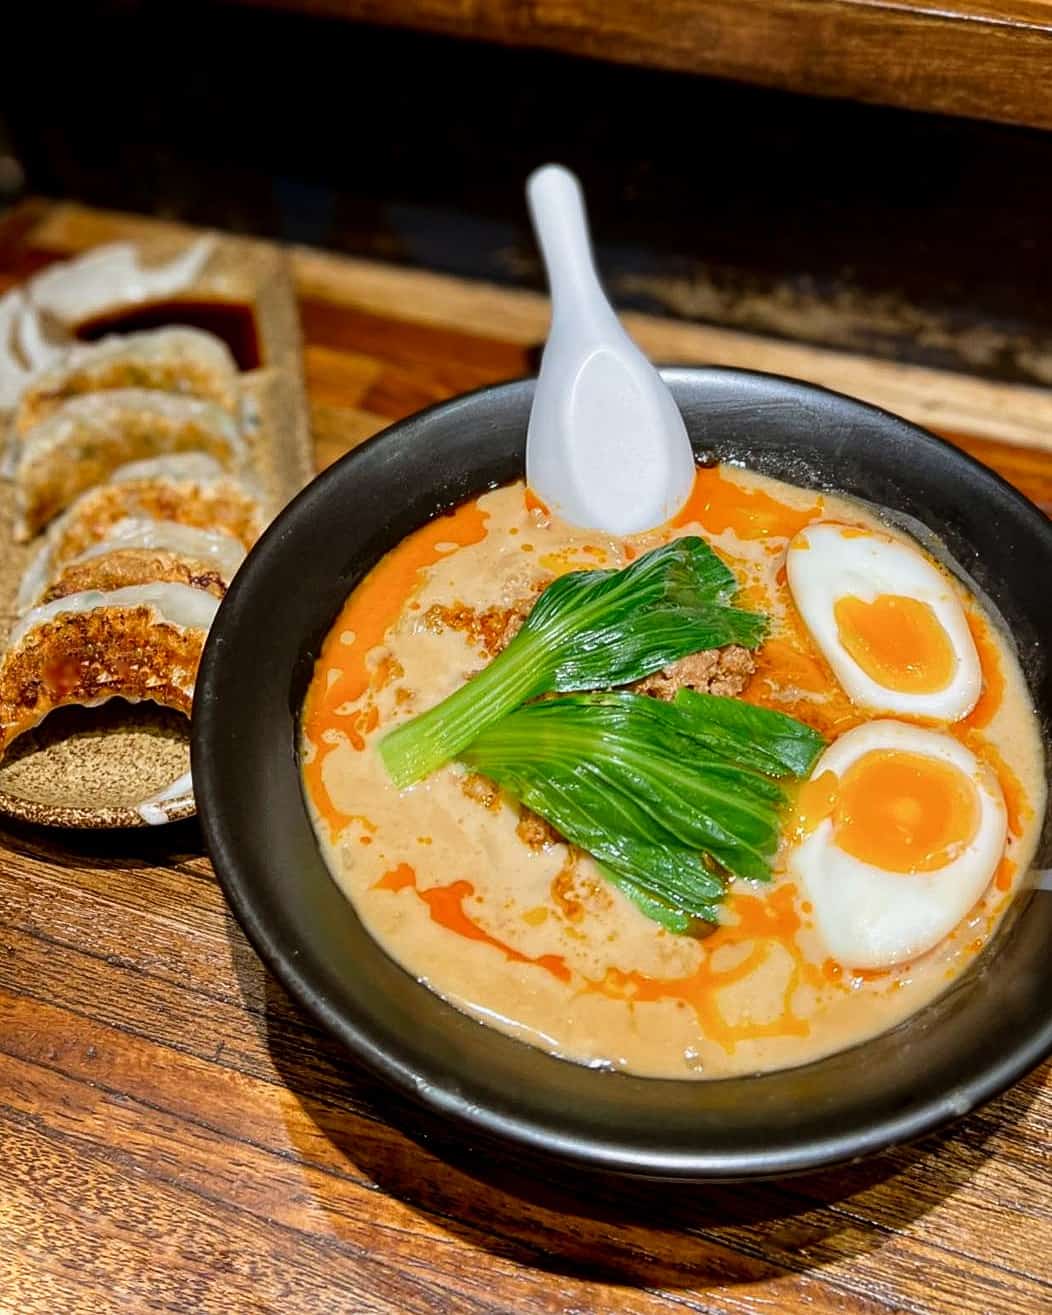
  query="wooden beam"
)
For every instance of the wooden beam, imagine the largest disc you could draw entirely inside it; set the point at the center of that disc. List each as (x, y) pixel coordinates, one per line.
(989, 59)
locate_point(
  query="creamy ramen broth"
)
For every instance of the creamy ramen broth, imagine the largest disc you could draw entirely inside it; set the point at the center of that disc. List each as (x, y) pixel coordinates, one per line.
(520, 930)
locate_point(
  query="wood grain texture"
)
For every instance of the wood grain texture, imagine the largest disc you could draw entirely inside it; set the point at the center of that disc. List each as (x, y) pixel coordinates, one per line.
(983, 58)
(176, 1135)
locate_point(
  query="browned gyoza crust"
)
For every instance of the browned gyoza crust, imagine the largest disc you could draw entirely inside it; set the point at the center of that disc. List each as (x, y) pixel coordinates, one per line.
(87, 657)
(130, 566)
(220, 506)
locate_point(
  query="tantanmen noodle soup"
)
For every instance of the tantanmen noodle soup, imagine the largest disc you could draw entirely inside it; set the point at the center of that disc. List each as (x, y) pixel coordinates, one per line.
(898, 851)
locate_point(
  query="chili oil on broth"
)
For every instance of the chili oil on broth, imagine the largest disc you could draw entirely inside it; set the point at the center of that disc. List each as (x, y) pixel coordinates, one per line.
(532, 940)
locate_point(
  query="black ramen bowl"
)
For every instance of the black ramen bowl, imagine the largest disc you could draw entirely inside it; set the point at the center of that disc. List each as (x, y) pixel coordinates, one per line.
(991, 1027)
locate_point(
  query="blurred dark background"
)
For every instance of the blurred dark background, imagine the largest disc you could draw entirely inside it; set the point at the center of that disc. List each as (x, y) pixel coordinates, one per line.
(912, 236)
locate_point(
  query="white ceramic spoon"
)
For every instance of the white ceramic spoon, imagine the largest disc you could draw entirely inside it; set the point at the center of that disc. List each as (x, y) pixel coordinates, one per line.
(606, 447)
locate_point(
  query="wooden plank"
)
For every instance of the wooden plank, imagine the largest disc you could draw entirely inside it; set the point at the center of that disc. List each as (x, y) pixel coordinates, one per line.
(983, 58)
(737, 1233)
(337, 1216)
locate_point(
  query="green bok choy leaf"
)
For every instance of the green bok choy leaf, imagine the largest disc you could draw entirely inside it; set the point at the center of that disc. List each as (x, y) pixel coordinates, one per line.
(669, 798)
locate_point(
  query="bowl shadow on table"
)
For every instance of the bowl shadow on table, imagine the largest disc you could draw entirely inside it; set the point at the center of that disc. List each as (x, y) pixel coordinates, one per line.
(177, 845)
(605, 1229)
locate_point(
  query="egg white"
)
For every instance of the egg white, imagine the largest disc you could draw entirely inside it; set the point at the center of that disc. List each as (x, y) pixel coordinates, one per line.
(869, 917)
(867, 565)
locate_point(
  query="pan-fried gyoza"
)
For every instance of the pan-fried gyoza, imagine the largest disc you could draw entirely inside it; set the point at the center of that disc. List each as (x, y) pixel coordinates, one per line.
(142, 642)
(86, 439)
(184, 361)
(215, 518)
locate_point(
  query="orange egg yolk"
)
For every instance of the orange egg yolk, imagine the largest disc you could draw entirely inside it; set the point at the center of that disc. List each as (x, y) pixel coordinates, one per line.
(905, 812)
(897, 641)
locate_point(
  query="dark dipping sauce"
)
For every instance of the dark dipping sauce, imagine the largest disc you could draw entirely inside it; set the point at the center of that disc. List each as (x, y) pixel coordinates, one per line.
(232, 321)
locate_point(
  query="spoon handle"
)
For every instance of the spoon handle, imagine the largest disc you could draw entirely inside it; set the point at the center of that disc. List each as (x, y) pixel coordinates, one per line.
(561, 225)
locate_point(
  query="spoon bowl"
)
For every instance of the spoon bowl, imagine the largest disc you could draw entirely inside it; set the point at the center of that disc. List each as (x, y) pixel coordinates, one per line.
(606, 446)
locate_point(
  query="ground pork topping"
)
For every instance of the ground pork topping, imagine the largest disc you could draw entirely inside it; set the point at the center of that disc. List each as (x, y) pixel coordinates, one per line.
(717, 671)
(481, 791)
(491, 628)
(534, 832)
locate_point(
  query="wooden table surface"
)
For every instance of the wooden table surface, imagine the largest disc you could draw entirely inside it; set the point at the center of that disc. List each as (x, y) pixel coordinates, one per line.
(988, 59)
(176, 1135)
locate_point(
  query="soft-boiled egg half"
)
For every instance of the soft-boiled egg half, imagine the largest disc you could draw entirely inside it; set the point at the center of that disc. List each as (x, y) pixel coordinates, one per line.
(887, 621)
(903, 829)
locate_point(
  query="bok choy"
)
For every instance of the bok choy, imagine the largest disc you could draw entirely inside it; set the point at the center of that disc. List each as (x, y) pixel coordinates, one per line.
(588, 630)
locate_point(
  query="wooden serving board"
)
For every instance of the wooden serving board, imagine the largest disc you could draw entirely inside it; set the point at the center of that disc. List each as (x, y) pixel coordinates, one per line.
(90, 767)
(177, 1136)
